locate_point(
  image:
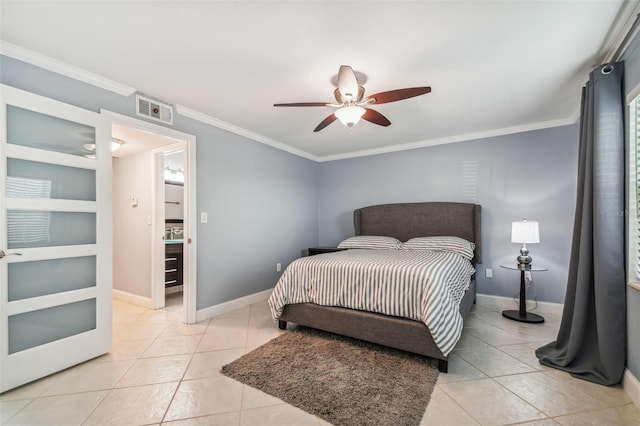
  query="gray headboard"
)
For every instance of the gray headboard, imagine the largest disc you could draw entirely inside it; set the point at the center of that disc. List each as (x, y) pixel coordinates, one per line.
(408, 220)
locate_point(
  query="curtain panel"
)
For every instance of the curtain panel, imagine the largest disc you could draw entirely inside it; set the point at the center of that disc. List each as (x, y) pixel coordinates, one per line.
(591, 341)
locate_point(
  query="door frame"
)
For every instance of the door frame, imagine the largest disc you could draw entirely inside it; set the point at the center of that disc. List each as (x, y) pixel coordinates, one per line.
(157, 220)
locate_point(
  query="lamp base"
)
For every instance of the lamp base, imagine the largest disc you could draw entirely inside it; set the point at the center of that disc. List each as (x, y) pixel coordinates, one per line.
(527, 317)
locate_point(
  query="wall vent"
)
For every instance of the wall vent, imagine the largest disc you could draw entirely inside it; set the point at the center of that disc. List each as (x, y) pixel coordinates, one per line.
(154, 110)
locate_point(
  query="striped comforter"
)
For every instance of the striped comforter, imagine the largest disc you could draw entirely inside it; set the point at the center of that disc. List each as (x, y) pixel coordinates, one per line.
(422, 285)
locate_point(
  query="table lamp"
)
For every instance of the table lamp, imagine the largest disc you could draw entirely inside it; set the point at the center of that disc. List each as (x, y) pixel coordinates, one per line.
(525, 232)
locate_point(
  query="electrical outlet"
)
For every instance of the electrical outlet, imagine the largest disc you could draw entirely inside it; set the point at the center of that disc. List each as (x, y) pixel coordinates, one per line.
(203, 217)
(278, 267)
(488, 273)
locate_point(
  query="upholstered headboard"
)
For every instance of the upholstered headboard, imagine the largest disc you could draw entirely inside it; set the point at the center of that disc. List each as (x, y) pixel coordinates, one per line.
(409, 220)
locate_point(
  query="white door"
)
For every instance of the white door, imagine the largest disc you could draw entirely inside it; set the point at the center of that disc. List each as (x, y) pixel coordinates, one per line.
(55, 236)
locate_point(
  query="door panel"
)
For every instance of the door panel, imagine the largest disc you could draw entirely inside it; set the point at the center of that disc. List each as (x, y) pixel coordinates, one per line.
(56, 232)
(35, 328)
(48, 132)
(33, 179)
(35, 228)
(25, 279)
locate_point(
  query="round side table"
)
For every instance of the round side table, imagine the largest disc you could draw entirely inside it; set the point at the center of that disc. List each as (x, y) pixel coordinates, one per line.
(521, 314)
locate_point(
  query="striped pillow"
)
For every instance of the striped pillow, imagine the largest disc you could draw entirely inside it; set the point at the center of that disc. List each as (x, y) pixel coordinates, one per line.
(371, 242)
(451, 244)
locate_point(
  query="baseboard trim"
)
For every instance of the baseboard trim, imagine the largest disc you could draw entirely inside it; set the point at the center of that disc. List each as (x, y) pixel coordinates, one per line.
(231, 305)
(631, 386)
(134, 299)
(500, 302)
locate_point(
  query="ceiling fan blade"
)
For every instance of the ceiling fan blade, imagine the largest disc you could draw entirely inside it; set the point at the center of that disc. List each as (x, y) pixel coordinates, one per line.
(330, 119)
(375, 117)
(398, 94)
(347, 82)
(302, 104)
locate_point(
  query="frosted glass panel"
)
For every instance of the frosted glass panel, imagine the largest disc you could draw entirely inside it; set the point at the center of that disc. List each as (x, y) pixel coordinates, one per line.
(47, 325)
(39, 278)
(33, 228)
(29, 128)
(31, 179)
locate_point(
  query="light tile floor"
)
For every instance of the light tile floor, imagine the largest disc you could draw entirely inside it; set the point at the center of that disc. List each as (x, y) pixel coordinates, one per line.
(164, 372)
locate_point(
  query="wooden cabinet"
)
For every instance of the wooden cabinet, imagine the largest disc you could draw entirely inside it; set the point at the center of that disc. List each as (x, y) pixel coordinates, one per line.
(173, 264)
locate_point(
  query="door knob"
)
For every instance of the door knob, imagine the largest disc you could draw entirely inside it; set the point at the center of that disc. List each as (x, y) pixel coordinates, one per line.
(3, 254)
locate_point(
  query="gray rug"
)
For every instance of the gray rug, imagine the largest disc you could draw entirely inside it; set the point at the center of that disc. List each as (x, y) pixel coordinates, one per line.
(341, 380)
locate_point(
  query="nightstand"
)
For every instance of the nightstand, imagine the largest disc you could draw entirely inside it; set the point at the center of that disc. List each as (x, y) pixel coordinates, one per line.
(521, 314)
(319, 250)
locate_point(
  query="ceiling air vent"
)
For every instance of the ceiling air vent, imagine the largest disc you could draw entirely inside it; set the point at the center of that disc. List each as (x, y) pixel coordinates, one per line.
(154, 110)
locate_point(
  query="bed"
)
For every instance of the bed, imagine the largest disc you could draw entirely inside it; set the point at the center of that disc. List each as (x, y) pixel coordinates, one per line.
(403, 221)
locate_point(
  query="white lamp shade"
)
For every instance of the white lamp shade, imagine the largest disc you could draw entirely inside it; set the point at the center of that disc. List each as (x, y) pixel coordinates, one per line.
(349, 115)
(525, 232)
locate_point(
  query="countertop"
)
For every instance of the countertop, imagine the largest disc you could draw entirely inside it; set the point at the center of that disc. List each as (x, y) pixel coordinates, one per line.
(173, 241)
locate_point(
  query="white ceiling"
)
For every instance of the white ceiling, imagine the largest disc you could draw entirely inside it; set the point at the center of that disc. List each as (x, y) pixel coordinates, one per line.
(494, 67)
(136, 140)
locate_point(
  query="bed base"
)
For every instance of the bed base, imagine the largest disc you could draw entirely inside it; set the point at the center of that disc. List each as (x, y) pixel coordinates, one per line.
(399, 333)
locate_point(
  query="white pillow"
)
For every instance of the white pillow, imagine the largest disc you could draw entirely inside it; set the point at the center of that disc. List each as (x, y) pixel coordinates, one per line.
(451, 244)
(371, 242)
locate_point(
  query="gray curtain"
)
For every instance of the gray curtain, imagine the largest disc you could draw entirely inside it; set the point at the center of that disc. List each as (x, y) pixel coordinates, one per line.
(591, 342)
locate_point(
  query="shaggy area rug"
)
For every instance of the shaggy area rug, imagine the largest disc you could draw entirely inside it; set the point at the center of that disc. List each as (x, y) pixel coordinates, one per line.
(341, 380)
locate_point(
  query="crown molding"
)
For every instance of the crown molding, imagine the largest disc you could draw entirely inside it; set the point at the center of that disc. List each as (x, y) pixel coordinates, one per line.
(212, 121)
(455, 138)
(59, 67)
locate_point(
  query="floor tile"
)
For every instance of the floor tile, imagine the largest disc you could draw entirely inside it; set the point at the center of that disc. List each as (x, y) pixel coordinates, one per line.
(208, 364)
(493, 362)
(525, 352)
(490, 403)
(254, 398)
(460, 370)
(277, 415)
(223, 339)
(65, 410)
(626, 415)
(91, 376)
(139, 331)
(30, 390)
(147, 371)
(609, 395)
(443, 411)
(201, 397)
(139, 405)
(9, 409)
(224, 419)
(495, 336)
(172, 345)
(551, 396)
(467, 340)
(126, 350)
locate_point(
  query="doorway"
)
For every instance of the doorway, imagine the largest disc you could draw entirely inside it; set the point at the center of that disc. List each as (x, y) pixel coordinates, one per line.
(150, 239)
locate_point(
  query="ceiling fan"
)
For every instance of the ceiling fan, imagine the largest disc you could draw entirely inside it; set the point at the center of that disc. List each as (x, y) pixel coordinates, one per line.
(351, 102)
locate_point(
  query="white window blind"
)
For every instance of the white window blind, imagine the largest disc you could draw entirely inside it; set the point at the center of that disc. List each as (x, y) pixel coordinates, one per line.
(633, 205)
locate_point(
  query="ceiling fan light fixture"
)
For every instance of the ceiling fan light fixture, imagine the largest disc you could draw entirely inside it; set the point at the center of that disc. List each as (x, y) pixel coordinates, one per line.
(116, 143)
(350, 115)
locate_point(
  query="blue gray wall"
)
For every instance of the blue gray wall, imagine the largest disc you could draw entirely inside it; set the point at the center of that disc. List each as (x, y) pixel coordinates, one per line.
(526, 175)
(632, 79)
(261, 201)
